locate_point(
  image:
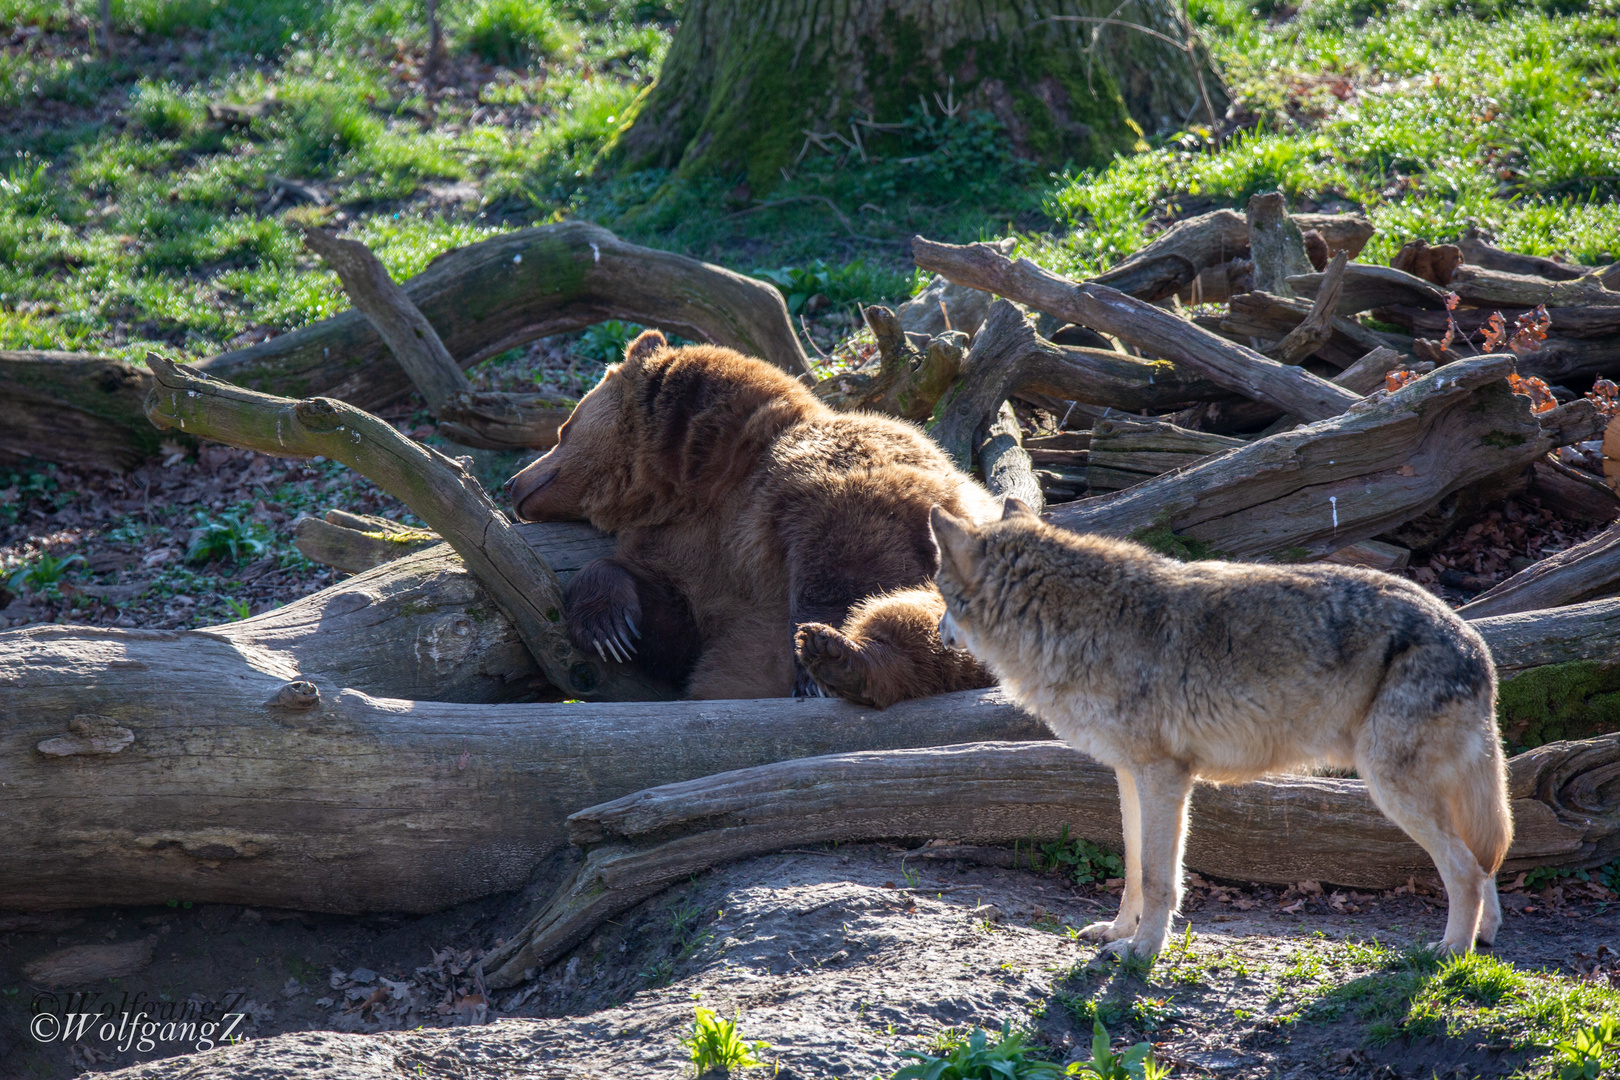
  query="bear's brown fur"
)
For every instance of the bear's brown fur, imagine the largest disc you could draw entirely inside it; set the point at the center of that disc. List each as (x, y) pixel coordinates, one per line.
(748, 512)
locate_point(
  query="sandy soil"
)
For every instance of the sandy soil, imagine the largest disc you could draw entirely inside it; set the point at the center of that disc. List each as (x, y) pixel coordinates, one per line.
(838, 959)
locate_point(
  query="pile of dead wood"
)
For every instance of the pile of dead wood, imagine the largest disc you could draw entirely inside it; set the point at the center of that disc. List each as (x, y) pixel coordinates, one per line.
(361, 749)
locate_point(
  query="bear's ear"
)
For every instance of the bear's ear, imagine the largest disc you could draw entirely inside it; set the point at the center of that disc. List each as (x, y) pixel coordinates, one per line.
(954, 541)
(1013, 508)
(644, 346)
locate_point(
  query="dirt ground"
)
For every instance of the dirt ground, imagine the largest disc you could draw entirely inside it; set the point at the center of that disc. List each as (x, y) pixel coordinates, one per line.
(839, 959)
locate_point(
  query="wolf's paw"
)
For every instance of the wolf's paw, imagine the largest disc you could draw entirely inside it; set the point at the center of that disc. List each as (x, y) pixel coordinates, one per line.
(1105, 931)
(832, 660)
(1445, 949)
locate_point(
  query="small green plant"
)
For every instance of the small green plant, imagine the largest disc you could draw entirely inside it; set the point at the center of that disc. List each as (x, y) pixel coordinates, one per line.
(512, 32)
(224, 537)
(1082, 860)
(715, 1044)
(1580, 1057)
(839, 284)
(1134, 1064)
(606, 341)
(240, 608)
(44, 573)
(974, 1058)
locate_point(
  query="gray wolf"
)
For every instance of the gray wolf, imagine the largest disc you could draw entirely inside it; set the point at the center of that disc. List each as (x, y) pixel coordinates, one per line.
(1170, 672)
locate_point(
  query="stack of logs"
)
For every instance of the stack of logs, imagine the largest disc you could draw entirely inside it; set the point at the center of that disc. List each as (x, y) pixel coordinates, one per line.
(362, 749)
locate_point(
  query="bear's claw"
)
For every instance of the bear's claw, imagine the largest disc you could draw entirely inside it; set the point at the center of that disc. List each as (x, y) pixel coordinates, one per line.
(832, 660)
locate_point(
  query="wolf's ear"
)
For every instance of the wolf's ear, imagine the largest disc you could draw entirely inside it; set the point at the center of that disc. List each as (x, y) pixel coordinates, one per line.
(954, 541)
(644, 346)
(1015, 508)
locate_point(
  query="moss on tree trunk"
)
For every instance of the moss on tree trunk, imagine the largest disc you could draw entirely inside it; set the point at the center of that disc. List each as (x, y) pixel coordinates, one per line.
(1578, 700)
(743, 83)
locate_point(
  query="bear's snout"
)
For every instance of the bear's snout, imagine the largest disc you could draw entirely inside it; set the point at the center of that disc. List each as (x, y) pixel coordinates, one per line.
(523, 488)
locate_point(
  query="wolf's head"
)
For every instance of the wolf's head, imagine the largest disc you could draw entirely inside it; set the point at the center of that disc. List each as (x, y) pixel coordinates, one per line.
(968, 554)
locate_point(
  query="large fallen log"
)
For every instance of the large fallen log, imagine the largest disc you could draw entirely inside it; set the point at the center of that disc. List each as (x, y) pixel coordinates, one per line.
(1312, 490)
(1566, 808)
(240, 764)
(190, 767)
(1140, 324)
(77, 410)
(1586, 571)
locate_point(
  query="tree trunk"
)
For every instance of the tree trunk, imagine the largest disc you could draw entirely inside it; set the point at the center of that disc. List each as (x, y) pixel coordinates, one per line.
(1566, 811)
(742, 84)
(75, 410)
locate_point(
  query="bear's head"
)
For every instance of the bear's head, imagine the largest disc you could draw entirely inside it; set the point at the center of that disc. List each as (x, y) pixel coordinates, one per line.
(665, 433)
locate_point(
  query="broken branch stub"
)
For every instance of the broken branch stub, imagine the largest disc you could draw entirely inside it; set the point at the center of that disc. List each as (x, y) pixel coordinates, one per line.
(436, 488)
(1566, 811)
(1155, 331)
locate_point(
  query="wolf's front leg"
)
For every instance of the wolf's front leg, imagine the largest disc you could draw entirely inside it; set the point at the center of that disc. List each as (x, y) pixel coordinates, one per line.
(1130, 905)
(1162, 788)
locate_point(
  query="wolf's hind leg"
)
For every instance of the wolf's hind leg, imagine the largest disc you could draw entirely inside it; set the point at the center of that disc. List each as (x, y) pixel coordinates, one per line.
(1130, 905)
(1490, 915)
(1419, 809)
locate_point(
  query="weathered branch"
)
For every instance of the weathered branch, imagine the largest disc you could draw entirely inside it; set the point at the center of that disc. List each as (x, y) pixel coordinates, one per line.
(1320, 487)
(1586, 571)
(1573, 492)
(1005, 464)
(437, 489)
(1317, 327)
(1367, 286)
(1566, 813)
(493, 295)
(490, 421)
(1262, 315)
(354, 542)
(1566, 635)
(913, 372)
(1151, 329)
(1127, 452)
(410, 337)
(993, 369)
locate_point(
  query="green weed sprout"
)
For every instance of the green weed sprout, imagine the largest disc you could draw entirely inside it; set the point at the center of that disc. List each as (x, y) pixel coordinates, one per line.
(1581, 1057)
(974, 1058)
(224, 537)
(715, 1044)
(44, 573)
(1134, 1064)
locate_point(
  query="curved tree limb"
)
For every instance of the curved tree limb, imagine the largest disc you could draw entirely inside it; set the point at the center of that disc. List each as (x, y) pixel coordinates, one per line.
(487, 297)
(436, 488)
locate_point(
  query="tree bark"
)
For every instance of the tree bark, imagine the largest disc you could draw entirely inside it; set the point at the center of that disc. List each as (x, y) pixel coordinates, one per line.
(1140, 324)
(1128, 452)
(1314, 490)
(744, 85)
(1566, 809)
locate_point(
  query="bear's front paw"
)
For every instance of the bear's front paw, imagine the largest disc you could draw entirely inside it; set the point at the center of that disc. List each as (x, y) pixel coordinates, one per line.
(832, 660)
(603, 612)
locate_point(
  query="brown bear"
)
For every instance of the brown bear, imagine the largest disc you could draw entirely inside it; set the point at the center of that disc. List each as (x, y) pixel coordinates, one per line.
(767, 545)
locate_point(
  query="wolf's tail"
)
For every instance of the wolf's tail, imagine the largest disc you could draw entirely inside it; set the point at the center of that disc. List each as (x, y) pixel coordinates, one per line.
(1482, 814)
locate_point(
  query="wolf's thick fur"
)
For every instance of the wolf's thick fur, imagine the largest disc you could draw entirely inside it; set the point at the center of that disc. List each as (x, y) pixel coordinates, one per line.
(746, 512)
(1171, 672)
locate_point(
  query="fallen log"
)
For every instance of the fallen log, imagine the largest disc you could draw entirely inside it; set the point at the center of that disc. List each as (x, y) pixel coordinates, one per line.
(1177, 257)
(76, 410)
(1475, 250)
(1566, 808)
(223, 785)
(1315, 489)
(1004, 463)
(490, 296)
(1588, 570)
(1140, 324)
(439, 490)
(1268, 317)
(1573, 492)
(1123, 453)
(913, 370)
